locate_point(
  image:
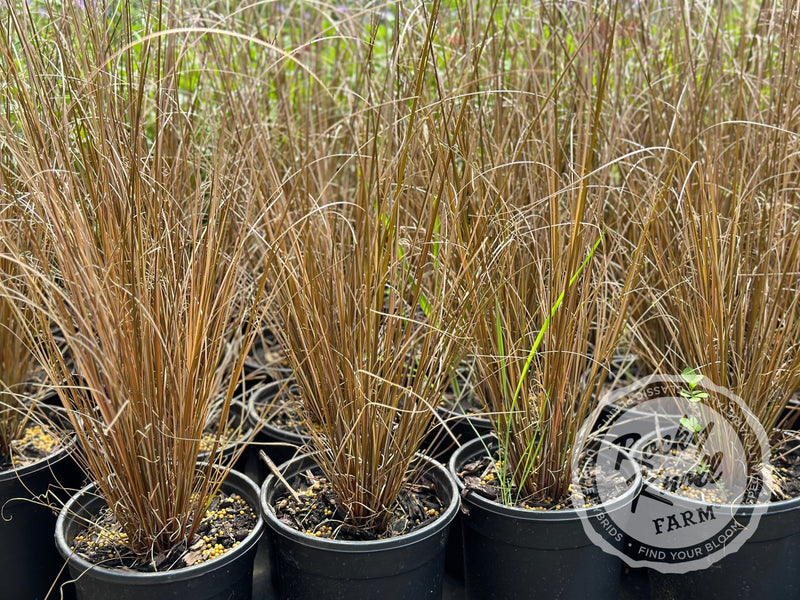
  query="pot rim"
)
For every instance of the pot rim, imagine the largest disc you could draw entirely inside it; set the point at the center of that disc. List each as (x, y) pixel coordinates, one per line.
(358, 546)
(43, 463)
(638, 412)
(64, 450)
(144, 578)
(565, 514)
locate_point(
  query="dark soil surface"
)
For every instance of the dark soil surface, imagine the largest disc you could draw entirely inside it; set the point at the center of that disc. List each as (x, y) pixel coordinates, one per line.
(682, 475)
(788, 469)
(786, 464)
(35, 443)
(227, 522)
(315, 510)
(481, 476)
(283, 412)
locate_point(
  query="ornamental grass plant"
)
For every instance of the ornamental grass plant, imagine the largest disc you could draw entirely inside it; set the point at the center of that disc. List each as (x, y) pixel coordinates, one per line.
(142, 207)
(720, 292)
(372, 319)
(557, 277)
(371, 367)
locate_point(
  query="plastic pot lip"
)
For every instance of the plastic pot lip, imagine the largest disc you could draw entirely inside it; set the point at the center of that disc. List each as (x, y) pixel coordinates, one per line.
(547, 516)
(42, 464)
(143, 578)
(46, 462)
(772, 508)
(358, 546)
(254, 418)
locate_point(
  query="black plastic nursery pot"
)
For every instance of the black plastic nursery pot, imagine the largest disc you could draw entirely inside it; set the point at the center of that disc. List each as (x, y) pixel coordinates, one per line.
(765, 565)
(31, 564)
(228, 577)
(513, 553)
(270, 372)
(280, 445)
(400, 568)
